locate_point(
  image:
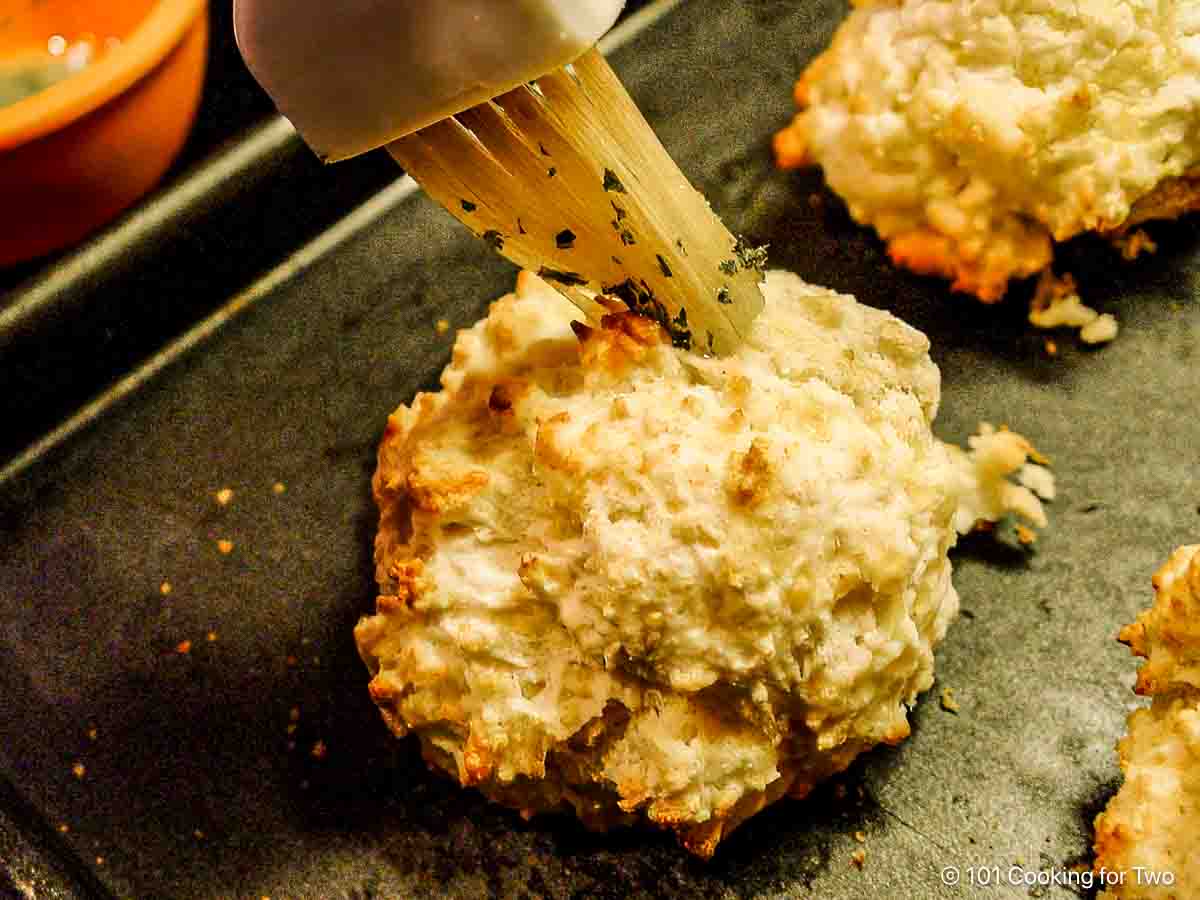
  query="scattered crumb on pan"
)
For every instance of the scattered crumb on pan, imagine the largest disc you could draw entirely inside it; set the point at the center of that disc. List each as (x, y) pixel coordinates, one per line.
(1134, 244)
(1056, 304)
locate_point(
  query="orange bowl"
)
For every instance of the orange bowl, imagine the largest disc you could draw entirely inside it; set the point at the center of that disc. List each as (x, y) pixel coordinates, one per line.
(75, 154)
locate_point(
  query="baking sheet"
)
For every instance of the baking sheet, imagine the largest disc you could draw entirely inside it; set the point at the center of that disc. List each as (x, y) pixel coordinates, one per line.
(172, 769)
(90, 315)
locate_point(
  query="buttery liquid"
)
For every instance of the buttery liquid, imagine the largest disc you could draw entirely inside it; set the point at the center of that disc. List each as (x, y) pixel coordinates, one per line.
(32, 73)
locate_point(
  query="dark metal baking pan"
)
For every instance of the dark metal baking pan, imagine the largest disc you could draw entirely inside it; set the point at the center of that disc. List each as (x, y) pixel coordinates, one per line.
(159, 768)
(88, 317)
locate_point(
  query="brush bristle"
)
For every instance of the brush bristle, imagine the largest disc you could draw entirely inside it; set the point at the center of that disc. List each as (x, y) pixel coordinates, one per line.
(567, 179)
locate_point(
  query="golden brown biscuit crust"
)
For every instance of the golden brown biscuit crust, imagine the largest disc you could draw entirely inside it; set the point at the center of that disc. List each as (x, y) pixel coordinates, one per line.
(1152, 822)
(587, 601)
(971, 163)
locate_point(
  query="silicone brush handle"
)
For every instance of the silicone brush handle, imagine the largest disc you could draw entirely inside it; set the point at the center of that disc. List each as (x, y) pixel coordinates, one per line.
(353, 75)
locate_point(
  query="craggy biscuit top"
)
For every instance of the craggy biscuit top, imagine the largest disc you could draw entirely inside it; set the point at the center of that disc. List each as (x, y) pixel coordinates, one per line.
(1168, 634)
(637, 581)
(1152, 823)
(970, 133)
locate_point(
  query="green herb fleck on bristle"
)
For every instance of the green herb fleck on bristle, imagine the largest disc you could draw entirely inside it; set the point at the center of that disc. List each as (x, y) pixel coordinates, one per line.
(729, 267)
(616, 223)
(612, 182)
(681, 335)
(494, 239)
(749, 256)
(723, 296)
(571, 279)
(627, 238)
(641, 300)
(621, 214)
(468, 206)
(565, 239)
(662, 264)
(552, 171)
(681, 339)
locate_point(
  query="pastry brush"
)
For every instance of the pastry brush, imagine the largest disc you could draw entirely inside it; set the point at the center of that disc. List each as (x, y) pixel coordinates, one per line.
(507, 115)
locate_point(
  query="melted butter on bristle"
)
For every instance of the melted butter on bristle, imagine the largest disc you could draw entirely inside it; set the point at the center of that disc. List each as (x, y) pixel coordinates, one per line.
(565, 177)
